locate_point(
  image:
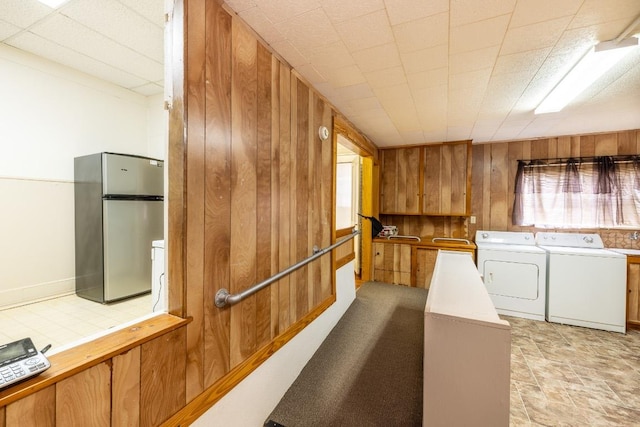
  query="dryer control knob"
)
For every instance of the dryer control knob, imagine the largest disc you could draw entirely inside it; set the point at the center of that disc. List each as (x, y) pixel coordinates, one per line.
(485, 235)
(588, 239)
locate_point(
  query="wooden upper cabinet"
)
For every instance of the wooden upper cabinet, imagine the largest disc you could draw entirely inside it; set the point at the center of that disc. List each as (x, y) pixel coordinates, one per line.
(446, 187)
(426, 180)
(400, 181)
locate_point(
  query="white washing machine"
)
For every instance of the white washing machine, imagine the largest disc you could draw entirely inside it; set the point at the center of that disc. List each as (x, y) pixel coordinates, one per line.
(514, 270)
(586, 284)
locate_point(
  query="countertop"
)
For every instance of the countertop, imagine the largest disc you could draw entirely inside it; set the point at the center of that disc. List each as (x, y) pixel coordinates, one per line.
(427, 241)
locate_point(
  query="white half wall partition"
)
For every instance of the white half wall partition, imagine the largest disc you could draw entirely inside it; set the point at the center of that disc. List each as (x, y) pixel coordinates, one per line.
(252, 400)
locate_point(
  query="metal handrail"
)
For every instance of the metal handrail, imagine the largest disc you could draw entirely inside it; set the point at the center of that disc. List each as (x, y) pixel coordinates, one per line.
(450, 239)
(223, 297)
(400, 236)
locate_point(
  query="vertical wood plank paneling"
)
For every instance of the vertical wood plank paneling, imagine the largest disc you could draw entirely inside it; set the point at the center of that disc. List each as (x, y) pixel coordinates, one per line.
(275, 192)
(326, 204)
(477, 178)
(126, 389)
(284, 211)
(293, 225)
(633, 292)
(445, 178)
(36, 410)
(195, 195)
(564, 146)
(318, 217)
(627, 143)
(486, 190)
(400, 191)
(606, 144)
(85, 398)
(514, 154)
(2, 417)
(162, 377)
(263, 177)
(539, 149)
(302, 197)
(217, 192)
(243, 189)
(499, 186)
(458, 177)
(431, 193)
(587, 145)
(389, 174)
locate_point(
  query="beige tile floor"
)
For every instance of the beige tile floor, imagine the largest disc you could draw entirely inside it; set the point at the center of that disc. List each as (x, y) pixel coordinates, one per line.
(571, 376)
(65, 320)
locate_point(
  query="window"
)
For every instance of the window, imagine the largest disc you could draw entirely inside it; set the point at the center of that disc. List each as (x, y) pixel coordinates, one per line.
(603, 192)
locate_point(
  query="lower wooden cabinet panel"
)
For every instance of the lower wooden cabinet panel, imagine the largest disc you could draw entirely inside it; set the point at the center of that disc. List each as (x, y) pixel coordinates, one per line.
(407, 264)
(633, 291)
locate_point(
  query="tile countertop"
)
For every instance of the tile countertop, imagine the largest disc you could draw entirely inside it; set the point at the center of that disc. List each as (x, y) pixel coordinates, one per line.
(632, 252)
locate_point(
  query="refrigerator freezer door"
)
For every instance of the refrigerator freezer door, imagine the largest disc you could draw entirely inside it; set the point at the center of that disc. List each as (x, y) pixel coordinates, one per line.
(130, 227)
(134, 176)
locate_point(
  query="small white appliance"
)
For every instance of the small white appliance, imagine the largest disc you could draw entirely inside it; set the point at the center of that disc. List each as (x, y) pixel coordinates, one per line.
(514, 270)
(159, 296)
(586, 284)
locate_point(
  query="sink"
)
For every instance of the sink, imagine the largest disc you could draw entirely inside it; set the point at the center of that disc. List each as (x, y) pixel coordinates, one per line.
(635, 252)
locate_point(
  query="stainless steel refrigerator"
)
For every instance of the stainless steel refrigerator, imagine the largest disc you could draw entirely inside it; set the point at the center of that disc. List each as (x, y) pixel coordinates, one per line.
(118, 214)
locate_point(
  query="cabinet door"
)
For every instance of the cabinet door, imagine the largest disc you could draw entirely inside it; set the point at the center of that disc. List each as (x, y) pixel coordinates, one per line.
(400, 181)
(633, 290)
(425, 263)
(392, 263)
(446, 182)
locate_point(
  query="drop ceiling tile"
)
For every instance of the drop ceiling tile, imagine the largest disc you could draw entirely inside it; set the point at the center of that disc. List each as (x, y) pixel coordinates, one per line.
(357, 33)
(238, 5)
(334, 55)
(464, 12)
(260, 24)
(286, 10)
(401, 11)
(413, 137)
(427, 79)
(459, 133)
(377, 57)
(479, 35)
(345, 76)
(7, 30)
(357, 91)
(310, 74)
(435, 136)
(387, 77)
(426, 59)
(149, 89)
(296, 30)
(597, 12)
(290, 53)
(23, 13)
(534, 36)
(340, 10)
(474, 60)
(365, 104)
(72, 35)
(130, 29)
(150, 9)
(534, 11)
(411, 36)
(65, 56)
(526, 63)
(435, 97)
(471, 80)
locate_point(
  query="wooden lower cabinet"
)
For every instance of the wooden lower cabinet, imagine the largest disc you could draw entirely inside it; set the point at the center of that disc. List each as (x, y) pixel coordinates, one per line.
(392, 263)
(407, 264)
(633, 291)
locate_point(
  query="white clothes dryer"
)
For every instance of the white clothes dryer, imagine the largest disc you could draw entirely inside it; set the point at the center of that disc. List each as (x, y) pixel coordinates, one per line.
(514, 270)
(586, 284)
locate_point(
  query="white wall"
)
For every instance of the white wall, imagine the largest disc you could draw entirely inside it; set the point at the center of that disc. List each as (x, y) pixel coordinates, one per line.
(250, 402)
(50, 114)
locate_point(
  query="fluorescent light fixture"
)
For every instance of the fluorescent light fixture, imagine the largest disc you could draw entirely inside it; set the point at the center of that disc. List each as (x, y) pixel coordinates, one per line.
(595, 63)
(53, 3)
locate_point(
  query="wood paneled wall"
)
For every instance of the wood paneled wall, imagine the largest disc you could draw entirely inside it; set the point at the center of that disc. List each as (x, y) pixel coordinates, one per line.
(422, 225)
(494, 168)
(250, 193)
(259, 184)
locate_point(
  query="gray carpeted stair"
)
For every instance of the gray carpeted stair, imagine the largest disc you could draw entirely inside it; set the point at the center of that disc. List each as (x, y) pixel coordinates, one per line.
(368, 371)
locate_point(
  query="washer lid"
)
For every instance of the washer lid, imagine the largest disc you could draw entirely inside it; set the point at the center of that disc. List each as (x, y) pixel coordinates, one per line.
(563, 250)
